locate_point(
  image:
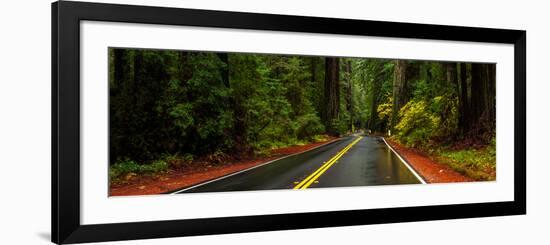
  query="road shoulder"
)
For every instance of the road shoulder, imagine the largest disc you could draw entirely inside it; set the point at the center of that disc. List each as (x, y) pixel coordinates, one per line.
(430, 170)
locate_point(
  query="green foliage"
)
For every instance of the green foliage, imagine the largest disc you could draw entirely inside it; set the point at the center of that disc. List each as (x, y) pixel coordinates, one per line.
(209, 108)
(432, 114)
(422, 121)
(309, 126)
(172, 102)
(446, 108)
(385, 110)
(177, 160)
(272, 101)
(127, 168)
(417, 123)
(158, 107)
(373, 81)
(183, 116)
(478, 164)
(340, 126)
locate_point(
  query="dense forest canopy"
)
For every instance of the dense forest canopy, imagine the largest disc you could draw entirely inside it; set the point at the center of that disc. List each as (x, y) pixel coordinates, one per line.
(202, 103)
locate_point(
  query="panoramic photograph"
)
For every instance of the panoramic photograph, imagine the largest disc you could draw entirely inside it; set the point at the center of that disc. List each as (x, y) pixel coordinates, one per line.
(190, 121)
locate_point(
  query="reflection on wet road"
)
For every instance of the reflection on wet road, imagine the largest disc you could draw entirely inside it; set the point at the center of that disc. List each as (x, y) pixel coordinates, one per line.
(370, 162)
(352, 161)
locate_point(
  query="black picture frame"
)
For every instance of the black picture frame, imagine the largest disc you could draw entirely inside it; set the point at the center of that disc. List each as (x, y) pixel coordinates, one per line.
(66, 17)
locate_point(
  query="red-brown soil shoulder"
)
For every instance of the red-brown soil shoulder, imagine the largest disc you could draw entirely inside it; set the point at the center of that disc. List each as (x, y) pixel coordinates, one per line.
(429, 169)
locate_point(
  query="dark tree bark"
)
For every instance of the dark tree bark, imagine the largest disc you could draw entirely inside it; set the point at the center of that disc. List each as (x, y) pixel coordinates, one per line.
(225, 71)
(240, 125)
(479, 101)
(349, 91)
(452, 80)
(184, 71)
(137, 81)
(317, 86)
(463, 120)
(491, 91)
(477, 92)
(482, 107)
(119, 66)
(332, 93)
(313, 69)
(116, 122)
(485, 90)
(452, 77)
(399, 85)
(424, 72)
(138, 65)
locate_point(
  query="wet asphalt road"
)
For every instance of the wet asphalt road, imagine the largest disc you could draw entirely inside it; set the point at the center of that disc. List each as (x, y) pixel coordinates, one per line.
(368, 162)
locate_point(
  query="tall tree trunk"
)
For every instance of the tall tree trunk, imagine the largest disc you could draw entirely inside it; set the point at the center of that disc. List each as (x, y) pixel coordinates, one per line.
(399, 85)
(116, 91)
(184, 69)
(491, 89)
(317, 86)
(463, 120)
(475, 110)
(135, 110)
(119, 66)
(332, 93)
(452, 80)
(479, 100)
(313, 70)
(349, 91)
(139, 75)
(375, 91)
(452, 77)
(488, 93)
(239, 130)
(225, 71)
(482, 105)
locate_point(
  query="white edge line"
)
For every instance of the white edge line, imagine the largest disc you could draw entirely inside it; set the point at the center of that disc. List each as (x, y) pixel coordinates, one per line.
(257, 166)
(405, 162)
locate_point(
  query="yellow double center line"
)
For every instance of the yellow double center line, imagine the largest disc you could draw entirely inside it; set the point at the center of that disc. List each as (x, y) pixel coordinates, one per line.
(315, 175)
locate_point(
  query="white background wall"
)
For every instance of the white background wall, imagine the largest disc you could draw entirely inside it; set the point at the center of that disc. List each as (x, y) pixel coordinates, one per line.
(25, 121)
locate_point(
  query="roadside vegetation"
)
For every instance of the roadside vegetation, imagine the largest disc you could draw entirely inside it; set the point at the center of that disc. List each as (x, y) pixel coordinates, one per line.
(478, 164)
(448, 114)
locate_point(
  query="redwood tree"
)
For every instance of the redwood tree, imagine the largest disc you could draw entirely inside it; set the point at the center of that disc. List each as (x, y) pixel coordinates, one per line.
(399, 86)
(332, 93)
